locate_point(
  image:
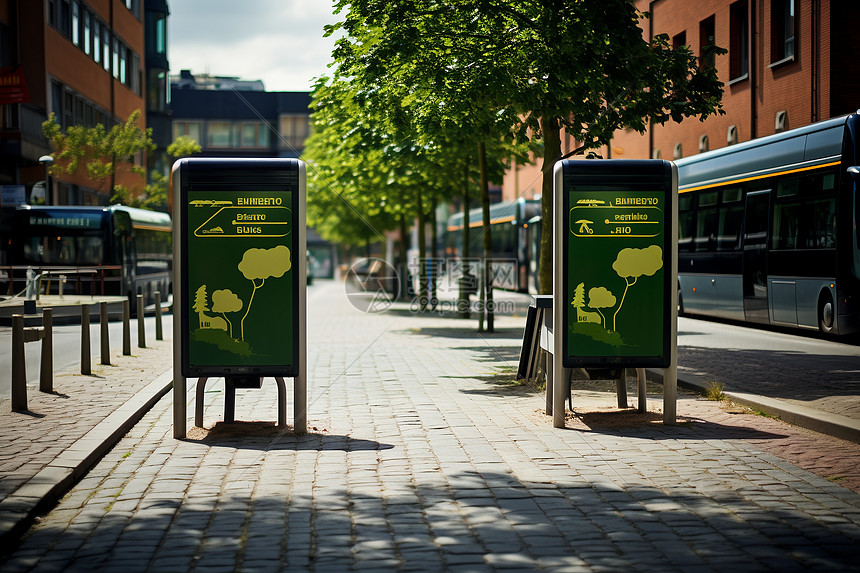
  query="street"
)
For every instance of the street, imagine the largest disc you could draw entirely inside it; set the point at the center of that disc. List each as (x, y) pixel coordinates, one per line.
(67, 348)
(423, 454)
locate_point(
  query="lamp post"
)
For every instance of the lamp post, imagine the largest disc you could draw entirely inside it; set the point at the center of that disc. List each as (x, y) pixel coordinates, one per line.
(47, 160)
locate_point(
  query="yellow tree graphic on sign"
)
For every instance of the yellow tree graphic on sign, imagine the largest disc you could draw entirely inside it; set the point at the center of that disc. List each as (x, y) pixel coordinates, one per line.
(632, 264)
(259, 265)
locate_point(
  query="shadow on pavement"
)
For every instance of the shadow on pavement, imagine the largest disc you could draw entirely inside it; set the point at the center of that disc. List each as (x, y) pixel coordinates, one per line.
(481, 520)
(267, 436)
(813, 376)
(465, 332)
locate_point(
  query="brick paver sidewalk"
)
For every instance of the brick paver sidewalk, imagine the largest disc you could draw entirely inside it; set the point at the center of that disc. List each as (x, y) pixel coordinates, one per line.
(424, 455)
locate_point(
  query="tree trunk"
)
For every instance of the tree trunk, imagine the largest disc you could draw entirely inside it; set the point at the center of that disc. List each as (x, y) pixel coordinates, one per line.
(551, 152)
(465, 279)
(422, 250)
(434, 254)
(403, 263)
(488, 239)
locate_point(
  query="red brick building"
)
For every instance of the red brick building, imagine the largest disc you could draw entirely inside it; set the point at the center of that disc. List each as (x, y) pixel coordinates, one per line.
(82, 60)
(789, 63)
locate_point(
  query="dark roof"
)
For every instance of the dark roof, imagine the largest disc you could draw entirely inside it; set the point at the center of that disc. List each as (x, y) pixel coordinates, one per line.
(230, 104)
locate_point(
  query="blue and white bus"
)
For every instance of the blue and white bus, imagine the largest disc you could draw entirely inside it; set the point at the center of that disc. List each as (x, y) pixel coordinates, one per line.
(768, 229)
(112, 250)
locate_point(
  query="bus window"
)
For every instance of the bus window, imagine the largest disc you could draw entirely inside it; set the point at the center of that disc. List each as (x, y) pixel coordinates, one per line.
(804, 216)
(731, 217)
(706, 221)
(686, 222)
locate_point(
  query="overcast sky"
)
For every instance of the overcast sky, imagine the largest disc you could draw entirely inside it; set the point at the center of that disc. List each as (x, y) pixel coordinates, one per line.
(278, 41)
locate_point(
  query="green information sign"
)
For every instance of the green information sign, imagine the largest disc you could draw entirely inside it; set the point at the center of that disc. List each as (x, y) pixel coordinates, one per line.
(240, 268)
(616, 259)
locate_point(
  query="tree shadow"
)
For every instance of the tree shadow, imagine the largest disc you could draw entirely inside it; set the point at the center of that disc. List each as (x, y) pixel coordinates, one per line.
(474, 520)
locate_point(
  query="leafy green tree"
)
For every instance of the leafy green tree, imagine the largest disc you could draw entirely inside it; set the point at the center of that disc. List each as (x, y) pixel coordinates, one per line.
(101, 152)
(535, 66)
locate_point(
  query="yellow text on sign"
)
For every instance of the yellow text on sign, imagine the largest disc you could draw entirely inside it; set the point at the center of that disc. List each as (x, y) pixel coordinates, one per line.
(591, 221)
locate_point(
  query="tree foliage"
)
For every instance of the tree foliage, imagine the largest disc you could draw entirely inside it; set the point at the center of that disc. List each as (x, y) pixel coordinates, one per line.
(102, 153)
(531, 67)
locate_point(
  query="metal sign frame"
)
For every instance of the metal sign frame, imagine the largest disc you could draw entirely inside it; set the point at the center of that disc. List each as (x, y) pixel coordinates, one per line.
(618, 196)
(239, 202)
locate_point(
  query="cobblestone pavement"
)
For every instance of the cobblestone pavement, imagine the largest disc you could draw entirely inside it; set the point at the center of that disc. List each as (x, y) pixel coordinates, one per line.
(55, 421)
(424, 455)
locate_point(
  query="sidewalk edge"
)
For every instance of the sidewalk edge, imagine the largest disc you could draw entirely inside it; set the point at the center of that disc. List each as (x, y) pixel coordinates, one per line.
(834, 425)
(20, 508)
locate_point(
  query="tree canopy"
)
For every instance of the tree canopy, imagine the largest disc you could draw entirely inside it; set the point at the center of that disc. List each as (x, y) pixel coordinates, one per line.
(528, 68)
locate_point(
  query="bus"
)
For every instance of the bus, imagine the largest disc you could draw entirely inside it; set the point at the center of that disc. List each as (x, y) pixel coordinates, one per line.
(112, 250)
(510, 247)
(768, 229)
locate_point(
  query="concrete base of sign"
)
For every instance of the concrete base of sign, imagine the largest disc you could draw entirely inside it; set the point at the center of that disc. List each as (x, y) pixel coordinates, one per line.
(230, 400)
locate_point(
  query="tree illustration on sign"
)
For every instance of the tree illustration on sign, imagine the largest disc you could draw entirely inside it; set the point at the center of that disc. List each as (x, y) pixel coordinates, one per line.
(579, 302)
(259, 265)
(634, 263)
(224, 301)
(598, 298)
(201, 306)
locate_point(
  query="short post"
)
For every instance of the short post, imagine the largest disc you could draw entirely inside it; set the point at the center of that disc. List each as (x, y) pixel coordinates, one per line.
(141, 324)
(126, 328)
(46, 371)
(621, 388)
(19, 367)
(86, 349)
(159, 335)
(104, 337)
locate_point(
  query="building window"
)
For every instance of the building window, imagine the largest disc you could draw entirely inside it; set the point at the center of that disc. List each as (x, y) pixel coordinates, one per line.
(161, 35)
(678, 152)
(782, 33)
(732, 135)
(704, 144)
(294, 130)
(254, 135)
(707, 42)
(116, 58)
(218, 134)
(679, 40)
(739, 40)
(106, 47)
(192, 129)
(97, 41)
(87, 34)
(656, 154)
(780, 123)
(76, 23)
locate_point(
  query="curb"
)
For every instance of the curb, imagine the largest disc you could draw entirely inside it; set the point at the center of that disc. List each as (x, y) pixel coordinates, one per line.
(20, 508)
(834, 425)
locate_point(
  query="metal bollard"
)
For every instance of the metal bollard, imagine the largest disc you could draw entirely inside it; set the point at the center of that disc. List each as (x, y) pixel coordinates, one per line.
(46, 370)
(159, 335)
(126, 328)
(19, 367)
(104, 338)
(86, 349)
(141, 324)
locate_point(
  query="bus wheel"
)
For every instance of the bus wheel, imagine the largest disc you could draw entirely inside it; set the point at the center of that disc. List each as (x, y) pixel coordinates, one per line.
(825, 313)
(680, 302)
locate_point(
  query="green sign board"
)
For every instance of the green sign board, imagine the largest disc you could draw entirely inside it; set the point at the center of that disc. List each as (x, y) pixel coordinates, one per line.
(616, 255)
(240, 267)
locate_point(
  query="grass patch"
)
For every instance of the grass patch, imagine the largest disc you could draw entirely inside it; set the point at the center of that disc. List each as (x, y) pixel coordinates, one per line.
(714, 391)
(764, 414)
(836, 478)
